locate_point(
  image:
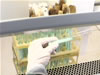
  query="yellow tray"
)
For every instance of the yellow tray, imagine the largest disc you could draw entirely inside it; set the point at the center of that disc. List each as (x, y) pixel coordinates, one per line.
(67, 53)
(25, 45)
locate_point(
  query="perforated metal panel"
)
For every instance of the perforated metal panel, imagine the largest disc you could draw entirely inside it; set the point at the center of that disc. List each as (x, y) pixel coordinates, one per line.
(87, 68)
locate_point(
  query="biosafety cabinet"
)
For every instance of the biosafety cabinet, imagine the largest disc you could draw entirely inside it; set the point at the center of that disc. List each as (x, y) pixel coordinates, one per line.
(69, 20)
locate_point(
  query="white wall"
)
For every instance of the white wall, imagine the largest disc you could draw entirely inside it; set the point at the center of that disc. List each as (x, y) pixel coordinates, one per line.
(97, 8)
(12, 9)
(0, 56)
(7, 65)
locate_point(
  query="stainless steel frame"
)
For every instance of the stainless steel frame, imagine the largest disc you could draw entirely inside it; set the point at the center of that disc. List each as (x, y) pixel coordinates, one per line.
(69, 20)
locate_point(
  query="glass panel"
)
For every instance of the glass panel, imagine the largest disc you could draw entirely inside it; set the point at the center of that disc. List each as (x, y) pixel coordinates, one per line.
(76, 45)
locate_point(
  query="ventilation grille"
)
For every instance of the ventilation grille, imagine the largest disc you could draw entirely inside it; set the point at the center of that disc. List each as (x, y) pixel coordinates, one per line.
(87, 68)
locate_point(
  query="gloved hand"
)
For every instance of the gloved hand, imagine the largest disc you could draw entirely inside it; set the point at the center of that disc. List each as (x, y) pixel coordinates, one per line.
(39, 55)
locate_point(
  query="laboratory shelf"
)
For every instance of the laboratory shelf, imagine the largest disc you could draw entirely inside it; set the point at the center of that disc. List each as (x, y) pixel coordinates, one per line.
(66, 20)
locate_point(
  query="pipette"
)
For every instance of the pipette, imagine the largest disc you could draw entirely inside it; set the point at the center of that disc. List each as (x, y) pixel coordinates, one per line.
(64, 40)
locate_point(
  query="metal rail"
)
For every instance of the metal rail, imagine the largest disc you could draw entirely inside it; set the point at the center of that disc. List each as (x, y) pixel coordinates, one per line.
(69, 20)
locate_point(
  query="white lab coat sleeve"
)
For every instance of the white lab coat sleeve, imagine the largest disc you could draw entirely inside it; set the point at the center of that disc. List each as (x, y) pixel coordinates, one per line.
(37, 69)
